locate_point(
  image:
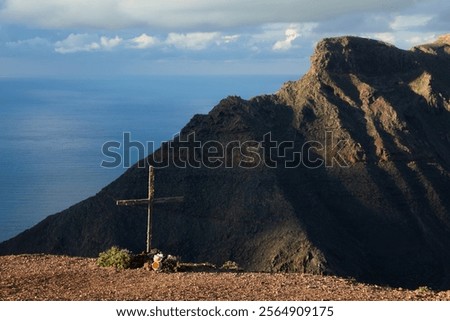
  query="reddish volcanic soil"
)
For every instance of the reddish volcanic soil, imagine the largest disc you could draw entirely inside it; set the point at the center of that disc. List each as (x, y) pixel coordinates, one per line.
(45, 277)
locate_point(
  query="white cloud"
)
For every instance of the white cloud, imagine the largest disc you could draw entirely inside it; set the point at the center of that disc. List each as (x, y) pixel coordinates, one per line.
(280, 36)
(411, 21)
(85, 42)
(189, 41)
(32, 42)
(229, 39)
(192, 41)
(421, 39)
(187, 14)
(388, 37)
(404, 39)
(110, 43)
(76, 42)
(143, 41)
(291, 35)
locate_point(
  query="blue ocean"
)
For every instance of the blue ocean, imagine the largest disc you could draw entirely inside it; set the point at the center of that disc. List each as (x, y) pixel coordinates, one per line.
(52, 132)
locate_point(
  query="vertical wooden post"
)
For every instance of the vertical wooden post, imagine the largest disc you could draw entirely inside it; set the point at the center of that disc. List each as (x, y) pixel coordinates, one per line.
(149, 201)
(151, 194)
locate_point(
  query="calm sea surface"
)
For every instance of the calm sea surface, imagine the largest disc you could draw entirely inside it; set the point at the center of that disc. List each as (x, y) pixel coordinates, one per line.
(52, 131)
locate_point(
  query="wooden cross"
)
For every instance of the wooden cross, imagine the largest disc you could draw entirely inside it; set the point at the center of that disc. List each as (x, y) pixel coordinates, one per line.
(149, 202)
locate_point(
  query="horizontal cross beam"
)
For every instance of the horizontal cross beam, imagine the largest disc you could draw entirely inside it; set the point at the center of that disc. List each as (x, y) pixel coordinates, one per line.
(146, 201)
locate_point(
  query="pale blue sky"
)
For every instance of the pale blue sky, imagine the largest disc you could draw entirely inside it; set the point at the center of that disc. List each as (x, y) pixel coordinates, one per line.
(103, 38)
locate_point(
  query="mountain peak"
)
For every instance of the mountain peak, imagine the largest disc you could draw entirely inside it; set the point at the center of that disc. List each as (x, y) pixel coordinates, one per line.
(355, 55)
(443, 39)
(440, 47)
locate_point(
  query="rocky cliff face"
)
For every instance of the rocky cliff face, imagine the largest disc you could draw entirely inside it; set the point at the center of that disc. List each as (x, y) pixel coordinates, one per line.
(367, 197)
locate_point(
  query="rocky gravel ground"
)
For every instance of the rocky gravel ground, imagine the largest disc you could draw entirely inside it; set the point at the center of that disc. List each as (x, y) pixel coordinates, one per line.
(45, 277)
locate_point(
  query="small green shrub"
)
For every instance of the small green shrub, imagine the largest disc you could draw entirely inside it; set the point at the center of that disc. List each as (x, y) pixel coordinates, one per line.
(115, 257)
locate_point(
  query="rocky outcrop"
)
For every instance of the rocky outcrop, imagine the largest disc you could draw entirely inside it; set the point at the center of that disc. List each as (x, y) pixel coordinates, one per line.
(368, 126)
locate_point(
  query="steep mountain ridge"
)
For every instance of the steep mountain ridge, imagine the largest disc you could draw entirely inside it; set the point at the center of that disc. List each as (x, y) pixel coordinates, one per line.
(369, 200)
(397, 143)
